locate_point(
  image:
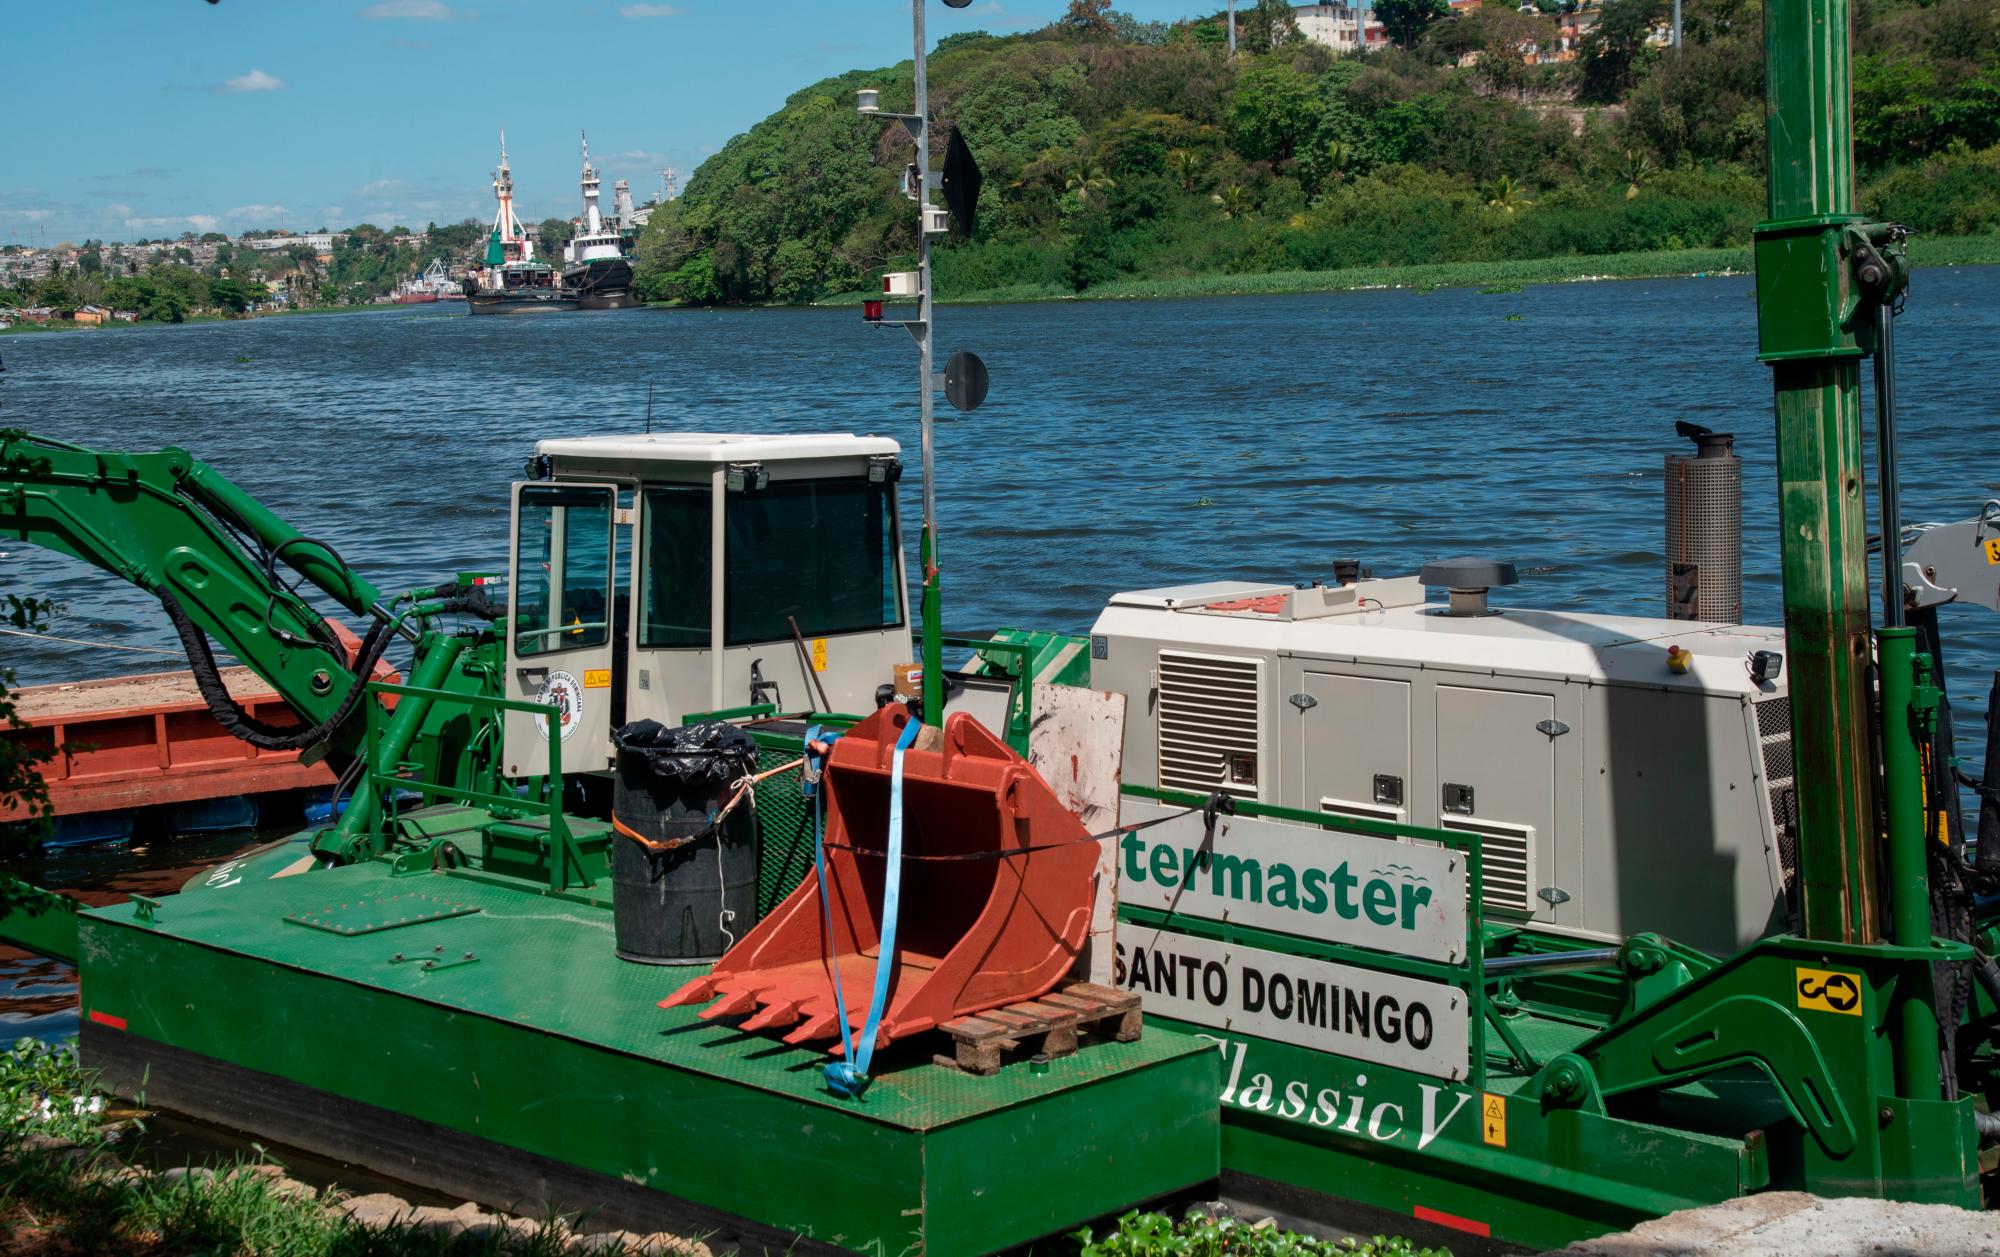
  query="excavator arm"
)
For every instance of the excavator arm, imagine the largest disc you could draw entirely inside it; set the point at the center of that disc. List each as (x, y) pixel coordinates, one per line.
(225, 568)
(179, 529)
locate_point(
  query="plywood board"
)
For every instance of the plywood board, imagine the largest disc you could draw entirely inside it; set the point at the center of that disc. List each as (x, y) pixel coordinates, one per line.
(1075, 742)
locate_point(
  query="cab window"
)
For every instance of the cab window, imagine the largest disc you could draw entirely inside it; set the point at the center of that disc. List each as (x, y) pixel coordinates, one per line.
(562, 569)
(678, 581)
(822, 552)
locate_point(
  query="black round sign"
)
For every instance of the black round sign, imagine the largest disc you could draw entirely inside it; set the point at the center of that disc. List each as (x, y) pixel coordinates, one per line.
(965, 380)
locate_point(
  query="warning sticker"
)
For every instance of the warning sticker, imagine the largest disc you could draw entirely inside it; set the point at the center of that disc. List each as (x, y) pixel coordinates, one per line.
(1829, 991)
(1493, 1119)
(819, 654)
(1992, 545)
(597, 679)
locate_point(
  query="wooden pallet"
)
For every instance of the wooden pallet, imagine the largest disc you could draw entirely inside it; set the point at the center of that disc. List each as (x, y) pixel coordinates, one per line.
(1050, 1025)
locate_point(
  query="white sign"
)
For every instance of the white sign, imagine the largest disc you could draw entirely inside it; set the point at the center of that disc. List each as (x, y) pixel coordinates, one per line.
(1316, 883)
(1385, 1018)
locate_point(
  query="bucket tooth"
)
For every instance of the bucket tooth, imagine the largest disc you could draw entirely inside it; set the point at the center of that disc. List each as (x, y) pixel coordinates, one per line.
(695, 992)
(731, 1004)
(817, 1028)
(778, 1013)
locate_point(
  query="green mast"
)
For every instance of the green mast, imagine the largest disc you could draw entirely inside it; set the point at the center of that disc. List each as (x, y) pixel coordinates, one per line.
(1811, 320)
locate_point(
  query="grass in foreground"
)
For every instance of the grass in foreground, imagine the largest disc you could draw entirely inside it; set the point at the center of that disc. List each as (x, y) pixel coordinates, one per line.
(64, 1192)
(1200, 1235)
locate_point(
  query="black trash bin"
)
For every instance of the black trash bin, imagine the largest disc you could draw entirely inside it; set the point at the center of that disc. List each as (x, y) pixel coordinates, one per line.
(688, 903)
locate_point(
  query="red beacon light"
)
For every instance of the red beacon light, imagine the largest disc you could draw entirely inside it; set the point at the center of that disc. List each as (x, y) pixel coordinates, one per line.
(871, 311)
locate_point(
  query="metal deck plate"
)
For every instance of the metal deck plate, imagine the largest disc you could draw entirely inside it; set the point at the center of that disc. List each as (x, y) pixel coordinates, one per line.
(376, 913)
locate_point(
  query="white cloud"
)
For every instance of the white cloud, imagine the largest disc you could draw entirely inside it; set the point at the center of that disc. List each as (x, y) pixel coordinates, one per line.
(258, 211)
(118, 209)
(648, 10)
(195, 222)
(408, 10)
(35, 216)
(255, 81)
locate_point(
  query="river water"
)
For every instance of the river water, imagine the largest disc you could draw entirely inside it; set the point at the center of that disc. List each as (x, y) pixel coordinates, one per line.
(1124, 445)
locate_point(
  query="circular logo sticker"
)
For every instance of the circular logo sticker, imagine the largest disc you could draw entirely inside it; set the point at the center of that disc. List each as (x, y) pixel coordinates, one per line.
(565, 693)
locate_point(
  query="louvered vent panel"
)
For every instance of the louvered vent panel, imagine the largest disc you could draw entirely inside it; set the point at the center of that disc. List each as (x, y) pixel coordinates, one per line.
(1508, 852)
(1209, 707)
(1774, 733)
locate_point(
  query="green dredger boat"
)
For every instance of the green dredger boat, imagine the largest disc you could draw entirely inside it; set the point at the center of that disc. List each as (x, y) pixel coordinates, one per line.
(1453, 956)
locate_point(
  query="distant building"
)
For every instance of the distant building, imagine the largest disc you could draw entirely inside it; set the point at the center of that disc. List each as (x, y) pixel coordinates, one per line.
(317, 241)
(1332, 25)
(91, 316)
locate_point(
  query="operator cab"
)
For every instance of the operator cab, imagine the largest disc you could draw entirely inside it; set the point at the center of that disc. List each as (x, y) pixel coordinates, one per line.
(663, 575)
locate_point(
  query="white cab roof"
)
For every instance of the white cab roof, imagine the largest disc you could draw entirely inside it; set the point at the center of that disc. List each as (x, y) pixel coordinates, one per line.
(718, 447)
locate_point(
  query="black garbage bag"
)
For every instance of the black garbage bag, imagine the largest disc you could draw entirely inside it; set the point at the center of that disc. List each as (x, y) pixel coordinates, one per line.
(712, 753)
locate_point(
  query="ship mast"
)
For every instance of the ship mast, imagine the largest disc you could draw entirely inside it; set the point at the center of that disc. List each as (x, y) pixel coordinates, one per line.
(593, 221)
(506, 227)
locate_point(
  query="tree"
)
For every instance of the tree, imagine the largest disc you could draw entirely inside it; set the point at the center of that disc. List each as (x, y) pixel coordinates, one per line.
(1085, 178)
(1612, 53)
(1504, 195)
(1234, 202)
(1275, 113)
(21, 781)
(1269, 25)
(1185, 165)
(1088, 17)
(1407, 20)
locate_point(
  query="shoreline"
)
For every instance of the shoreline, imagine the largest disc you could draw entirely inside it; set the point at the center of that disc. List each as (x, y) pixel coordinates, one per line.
(1505, 276)
(68, 325)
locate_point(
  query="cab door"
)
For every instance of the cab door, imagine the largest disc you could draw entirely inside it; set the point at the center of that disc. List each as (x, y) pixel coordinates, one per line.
(561, 603)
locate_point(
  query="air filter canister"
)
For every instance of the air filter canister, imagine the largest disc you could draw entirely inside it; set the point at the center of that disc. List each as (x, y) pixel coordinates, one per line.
(1705, 529)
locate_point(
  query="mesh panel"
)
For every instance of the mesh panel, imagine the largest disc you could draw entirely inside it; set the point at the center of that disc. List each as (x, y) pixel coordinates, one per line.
(1774, 716)
(1705, 529)
(1774, 733)
(786, 825)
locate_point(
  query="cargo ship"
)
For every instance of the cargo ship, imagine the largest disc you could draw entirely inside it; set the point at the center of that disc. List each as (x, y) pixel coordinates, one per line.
(513, 281)
(597, 263)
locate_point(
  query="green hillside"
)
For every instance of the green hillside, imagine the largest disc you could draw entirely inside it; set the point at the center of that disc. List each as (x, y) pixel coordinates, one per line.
(1127, 154)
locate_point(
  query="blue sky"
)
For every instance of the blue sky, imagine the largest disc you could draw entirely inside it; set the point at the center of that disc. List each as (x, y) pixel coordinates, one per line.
(136, 118)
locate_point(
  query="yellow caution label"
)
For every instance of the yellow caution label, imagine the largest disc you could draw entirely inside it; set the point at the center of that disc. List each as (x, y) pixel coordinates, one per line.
(597, 679)
(1493, 1119)
(1992, 545)
(819, 654)
(1829, 990)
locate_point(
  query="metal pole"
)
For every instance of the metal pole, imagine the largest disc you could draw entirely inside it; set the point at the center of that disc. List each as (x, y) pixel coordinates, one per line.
(933, 643)
(1816, 381)
(1677, 27)
(1915, 1046)
(1232, 27)
(1885, 466)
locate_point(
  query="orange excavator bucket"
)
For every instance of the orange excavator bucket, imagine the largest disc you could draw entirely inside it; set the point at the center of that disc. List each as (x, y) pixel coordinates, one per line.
(999, 923)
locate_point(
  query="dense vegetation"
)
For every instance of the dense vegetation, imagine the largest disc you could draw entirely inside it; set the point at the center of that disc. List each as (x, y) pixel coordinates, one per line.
(1117, 152)
(168, 286)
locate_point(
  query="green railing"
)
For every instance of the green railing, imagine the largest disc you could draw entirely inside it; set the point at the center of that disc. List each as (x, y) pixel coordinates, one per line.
(1468, 974)
(563, 852)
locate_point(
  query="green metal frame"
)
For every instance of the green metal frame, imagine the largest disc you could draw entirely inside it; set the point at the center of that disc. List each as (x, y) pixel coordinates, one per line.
(566, 863)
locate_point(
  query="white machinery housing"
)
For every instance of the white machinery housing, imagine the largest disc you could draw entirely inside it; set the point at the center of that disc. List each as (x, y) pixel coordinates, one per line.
(656, 576)
(1612, 793)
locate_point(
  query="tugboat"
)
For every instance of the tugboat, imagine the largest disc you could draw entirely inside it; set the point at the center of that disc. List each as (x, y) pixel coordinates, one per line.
(513, 282)
(597, 268)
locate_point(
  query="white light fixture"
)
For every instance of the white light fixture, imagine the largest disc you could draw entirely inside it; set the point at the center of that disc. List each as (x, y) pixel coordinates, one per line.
(937, 220)
(868, 100)
(899, 284)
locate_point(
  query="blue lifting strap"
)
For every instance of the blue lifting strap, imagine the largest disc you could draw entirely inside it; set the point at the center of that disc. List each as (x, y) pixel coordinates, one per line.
(809, 779)
(849, 1076)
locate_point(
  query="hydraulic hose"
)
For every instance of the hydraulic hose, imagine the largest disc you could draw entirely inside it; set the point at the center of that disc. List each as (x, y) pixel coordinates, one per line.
(240, 723)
